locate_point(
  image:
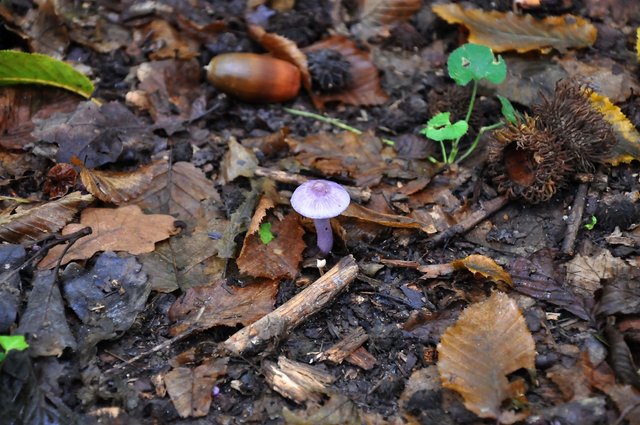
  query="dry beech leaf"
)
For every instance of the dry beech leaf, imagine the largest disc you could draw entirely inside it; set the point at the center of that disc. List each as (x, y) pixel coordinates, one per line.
(114, 229)
(359, 156)
(181, 191)
(118, 187)
(377, 15)
(280, 257)
(171, 43)
(389, 220)
(485, 267)
(190, 389)
(489, 341)
(222, 305)
(522, 33)
(365, 88)
(34, 224)
(283, 48)
(627, 147)
(266, 203)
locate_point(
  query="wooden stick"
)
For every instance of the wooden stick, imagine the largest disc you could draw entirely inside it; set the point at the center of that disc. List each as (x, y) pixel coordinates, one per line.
(356, 193)
(575, 219)
(295, 311)
(488, 208)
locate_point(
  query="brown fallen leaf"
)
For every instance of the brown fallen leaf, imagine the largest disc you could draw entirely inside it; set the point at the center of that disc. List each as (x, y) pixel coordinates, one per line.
(389, 220)
(522, 33)
(114, 229)
(489, 341)
(278, 258)
(222, 305)
(119, 187)
(359, 156)
(365, 88)
(182, 190)
(190, 389)
(34, 224)
(171, 43)
(485, 267)
(376, 16)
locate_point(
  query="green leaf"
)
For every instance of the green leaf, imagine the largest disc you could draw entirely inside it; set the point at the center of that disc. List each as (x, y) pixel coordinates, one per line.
(508, 111)
(34, 68)
(592, 223)
(265, 233)
(13, 342)
(475, 62)
(439, 128)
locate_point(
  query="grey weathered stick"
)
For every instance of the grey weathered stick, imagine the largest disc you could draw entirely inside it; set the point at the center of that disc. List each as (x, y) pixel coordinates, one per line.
(488, 208)
(575, 219)
(356, 193)
(295, 311)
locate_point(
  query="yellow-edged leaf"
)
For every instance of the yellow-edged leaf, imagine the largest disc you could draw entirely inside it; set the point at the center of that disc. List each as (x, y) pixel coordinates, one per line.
(489, 341)
(485, 266)
(34, 68)
(627, 147)
(522, 33)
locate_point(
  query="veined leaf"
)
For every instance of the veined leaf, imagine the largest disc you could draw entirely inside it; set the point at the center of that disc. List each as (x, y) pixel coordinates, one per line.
(34, 68)
(628, 147)
(508, 31)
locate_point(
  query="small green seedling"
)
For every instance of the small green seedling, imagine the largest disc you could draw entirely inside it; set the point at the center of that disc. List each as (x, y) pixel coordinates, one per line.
(13, 342)
(265, 233)
(590, 225)
(468, 63)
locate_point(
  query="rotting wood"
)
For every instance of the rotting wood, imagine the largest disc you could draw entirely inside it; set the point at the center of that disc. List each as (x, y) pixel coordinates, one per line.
(297, 381)
(487, 209)
(295, 311)
(574, 220)
(362, 358)
(356, 193)
(343, 348)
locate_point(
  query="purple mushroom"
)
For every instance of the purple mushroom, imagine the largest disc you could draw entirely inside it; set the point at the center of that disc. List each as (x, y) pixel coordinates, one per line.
(321, 200)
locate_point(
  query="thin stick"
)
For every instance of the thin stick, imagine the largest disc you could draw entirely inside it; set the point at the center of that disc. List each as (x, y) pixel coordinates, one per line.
(295, 311)
(356, 193)
(488, 208)
(575, 220)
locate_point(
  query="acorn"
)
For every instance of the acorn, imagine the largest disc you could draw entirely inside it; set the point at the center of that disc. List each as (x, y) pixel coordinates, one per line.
(254, 78)
(526, 160)
(585, 132)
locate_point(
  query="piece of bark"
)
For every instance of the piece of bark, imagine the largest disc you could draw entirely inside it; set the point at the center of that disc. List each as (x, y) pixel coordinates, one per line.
(297, 381)
(295, 311)
(362, 358)
(343, 348)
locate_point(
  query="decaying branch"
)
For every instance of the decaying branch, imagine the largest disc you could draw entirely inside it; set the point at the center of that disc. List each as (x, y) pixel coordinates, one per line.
(295, 311)
(575, 219)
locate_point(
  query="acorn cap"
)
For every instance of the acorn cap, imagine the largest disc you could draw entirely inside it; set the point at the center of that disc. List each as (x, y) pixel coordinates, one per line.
(320, 199)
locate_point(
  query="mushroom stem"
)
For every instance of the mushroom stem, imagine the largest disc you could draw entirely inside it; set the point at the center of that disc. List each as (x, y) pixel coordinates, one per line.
(324, 234)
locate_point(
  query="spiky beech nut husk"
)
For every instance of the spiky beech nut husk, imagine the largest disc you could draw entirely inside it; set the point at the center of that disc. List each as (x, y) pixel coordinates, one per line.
(330, 71)
(528, 161)
(569, 113)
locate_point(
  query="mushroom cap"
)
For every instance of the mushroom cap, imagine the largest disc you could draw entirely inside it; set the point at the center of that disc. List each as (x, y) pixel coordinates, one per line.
(318, 199)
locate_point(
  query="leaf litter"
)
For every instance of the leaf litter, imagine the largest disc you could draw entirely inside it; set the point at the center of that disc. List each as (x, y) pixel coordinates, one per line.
(184, 314)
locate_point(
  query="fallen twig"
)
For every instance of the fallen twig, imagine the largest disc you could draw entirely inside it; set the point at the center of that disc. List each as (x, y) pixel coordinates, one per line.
(356, 193)
(487, 209)
(295, 311)
(574, 220)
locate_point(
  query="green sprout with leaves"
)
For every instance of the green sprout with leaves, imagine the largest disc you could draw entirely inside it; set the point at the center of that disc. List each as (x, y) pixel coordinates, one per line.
(591, 224)
(11, 342)
(264, 231)
(468, 63)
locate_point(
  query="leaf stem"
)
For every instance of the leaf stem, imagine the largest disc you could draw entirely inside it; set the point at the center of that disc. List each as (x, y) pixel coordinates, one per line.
(333, 121)
(477, 139)
(454, 145)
